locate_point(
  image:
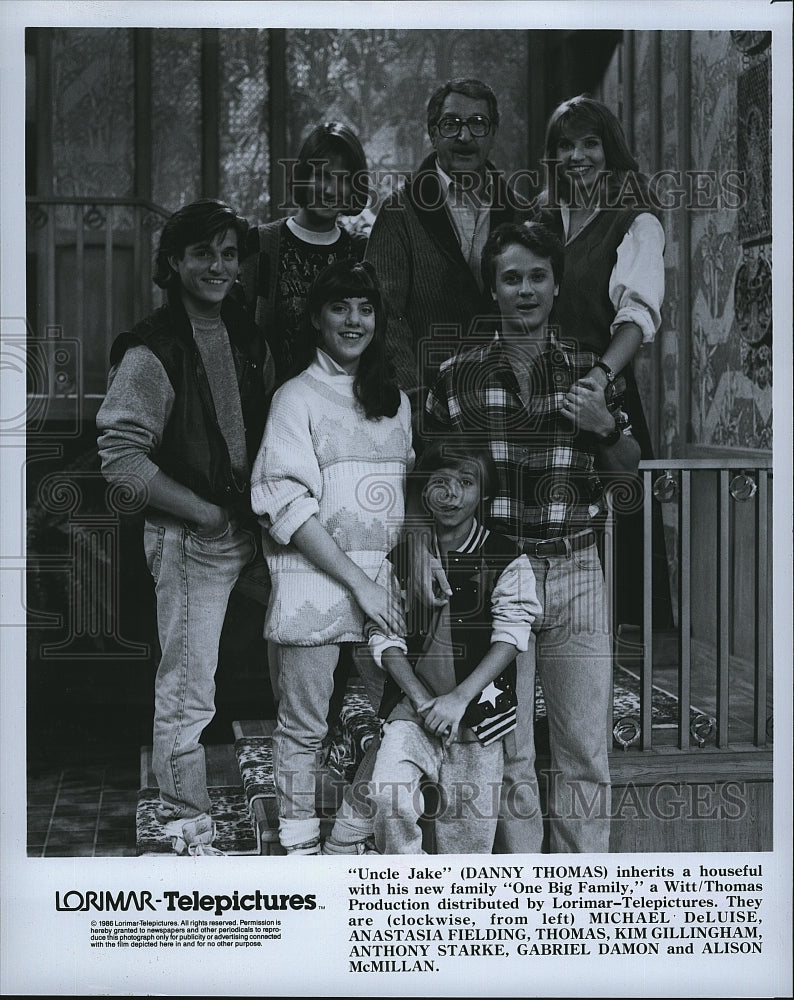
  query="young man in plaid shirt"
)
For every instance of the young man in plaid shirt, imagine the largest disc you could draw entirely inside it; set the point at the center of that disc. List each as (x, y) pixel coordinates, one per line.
(555, 434)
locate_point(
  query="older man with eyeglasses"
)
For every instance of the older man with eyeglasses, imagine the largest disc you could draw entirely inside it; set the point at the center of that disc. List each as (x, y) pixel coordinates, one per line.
(428, 237)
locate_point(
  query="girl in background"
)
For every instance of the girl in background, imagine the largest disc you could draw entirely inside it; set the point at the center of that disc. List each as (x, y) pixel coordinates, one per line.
(328, 486)
(328, 180)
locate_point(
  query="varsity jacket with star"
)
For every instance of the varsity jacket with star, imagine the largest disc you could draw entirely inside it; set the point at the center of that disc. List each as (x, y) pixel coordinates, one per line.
(493, 599)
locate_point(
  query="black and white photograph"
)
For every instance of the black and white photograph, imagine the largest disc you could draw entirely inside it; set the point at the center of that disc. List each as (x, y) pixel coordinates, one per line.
(396, 460)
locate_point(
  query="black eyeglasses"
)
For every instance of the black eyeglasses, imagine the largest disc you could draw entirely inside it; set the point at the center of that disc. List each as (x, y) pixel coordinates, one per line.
(450, 126)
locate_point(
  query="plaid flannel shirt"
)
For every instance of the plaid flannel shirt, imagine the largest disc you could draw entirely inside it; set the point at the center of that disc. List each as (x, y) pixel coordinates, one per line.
(548, 484)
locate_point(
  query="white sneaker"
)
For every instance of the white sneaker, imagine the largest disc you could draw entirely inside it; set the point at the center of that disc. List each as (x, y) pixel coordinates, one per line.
(205, 850)
(193, 835)
(331, 846)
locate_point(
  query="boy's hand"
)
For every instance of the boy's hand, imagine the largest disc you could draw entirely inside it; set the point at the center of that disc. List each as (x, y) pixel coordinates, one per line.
(211, 522)
(419, 697)
(442, 715)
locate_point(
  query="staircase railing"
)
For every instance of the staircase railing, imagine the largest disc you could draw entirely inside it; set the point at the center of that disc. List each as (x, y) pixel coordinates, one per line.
(89, 277)
(715, 666)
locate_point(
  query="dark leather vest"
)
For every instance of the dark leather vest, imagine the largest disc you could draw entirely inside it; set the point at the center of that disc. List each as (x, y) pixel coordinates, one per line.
(193, 450)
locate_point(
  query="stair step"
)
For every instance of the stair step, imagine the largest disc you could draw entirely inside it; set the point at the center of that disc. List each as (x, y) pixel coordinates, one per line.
(220, 760)
(358, 726)
(254, 753)
(241, 785)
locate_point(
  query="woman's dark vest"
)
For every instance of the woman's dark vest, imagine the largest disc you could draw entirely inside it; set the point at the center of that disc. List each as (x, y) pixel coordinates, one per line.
(583, 310)
(193, 450)
(584, 314)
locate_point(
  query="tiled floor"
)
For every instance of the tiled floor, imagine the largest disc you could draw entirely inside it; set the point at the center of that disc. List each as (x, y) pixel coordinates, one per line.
(84, 775)
(84, 805)
(87, 808)
(83, 810)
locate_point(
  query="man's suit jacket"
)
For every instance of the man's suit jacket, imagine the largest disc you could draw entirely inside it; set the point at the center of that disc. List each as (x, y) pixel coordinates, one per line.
(433, 298)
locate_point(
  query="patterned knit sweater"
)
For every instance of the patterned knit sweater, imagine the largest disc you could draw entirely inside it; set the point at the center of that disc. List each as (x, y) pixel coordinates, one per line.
(321, 456)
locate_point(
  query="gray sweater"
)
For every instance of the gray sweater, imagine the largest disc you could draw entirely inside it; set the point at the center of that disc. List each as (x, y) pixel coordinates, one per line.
(140, 398)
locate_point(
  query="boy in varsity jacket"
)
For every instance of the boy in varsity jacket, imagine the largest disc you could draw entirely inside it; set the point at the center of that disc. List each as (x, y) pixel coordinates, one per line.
(449, 699)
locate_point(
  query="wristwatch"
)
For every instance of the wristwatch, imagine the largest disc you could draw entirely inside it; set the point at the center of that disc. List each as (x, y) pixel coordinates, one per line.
(609, 439)
(605, 369)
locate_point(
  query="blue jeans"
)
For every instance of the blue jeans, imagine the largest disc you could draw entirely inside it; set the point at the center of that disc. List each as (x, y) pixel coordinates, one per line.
(571, 649)
(306, 681)
(193, 579)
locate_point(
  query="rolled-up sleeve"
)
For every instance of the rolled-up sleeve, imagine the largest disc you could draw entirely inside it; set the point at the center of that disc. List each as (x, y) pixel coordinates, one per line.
(286, 483)
(636, 285)
(514, 604)
(378, 642)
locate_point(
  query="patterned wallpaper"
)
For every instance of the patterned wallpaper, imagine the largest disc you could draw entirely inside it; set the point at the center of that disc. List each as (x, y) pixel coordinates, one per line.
(669, 437)
(726, 363)
(731, 391)
(727, 406)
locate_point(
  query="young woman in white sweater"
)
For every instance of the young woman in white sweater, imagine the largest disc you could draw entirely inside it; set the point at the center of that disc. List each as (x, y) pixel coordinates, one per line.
(328, 486)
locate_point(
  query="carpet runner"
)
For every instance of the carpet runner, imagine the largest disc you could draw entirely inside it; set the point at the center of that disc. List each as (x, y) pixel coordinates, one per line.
(234, 831)
(246, 814)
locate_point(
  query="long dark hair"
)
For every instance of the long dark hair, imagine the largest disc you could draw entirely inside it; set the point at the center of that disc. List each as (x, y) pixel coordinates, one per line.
(583, 114)
(374, 385)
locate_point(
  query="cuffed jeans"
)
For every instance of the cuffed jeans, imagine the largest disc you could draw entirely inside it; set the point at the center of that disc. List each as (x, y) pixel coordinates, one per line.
(571, 649)
(306, 681)
(193, 577)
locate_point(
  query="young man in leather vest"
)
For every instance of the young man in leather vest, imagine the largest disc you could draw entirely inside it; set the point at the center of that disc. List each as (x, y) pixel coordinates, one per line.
(180, 425)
